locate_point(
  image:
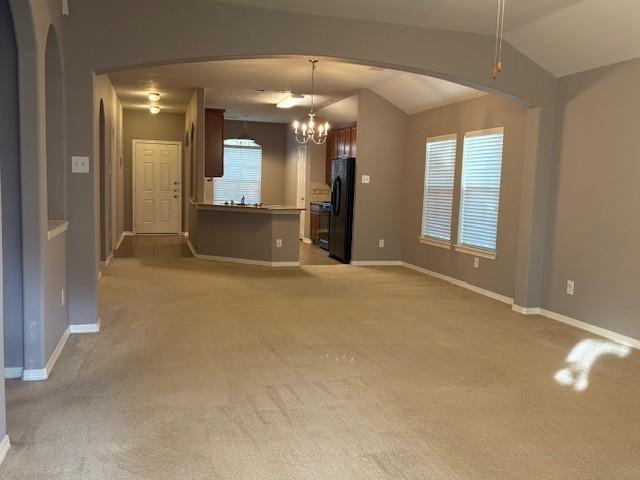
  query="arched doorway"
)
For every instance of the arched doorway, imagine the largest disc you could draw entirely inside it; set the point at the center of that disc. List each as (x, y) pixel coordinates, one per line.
(11, 205)
(105, 182)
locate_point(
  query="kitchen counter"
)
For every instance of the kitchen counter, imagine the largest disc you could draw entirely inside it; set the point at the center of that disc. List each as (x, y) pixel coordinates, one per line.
(257, 235)
(249, 208)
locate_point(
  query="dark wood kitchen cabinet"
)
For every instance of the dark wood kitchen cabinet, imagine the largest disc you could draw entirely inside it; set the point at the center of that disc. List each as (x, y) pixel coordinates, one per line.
(213, 142)
(341, 142)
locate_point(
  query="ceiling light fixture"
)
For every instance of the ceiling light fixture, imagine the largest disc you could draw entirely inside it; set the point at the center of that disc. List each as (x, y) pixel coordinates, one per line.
(497, 58)
(154, 110)
(154, 97)
(290, 101)
(309, 133)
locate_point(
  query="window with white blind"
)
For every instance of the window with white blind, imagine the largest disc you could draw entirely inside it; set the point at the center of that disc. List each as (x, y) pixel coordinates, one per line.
(439, 175)
(480, 191)
(242, 173)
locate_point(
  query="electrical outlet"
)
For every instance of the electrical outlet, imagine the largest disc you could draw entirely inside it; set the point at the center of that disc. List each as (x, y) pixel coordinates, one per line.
(381, 243)
(570, 287)
(79, 164)
(65, 7)
(278, 243)
(366, 179)
(476, 262)
(62, 297)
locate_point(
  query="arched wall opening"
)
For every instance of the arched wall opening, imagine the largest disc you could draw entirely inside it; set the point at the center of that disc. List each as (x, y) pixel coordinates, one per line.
(454, 56)
(55, 132)
(11, 260)
(105, 183)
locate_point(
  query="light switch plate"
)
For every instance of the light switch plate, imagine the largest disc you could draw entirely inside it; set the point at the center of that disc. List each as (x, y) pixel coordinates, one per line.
(65, 7)
(278, 243)
(476, 262)
(570, 287)
(79, 164)
(381, 243)
(366, 179)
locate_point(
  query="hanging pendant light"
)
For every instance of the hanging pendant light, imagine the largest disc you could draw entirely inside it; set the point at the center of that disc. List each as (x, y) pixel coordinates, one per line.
(243, 140)
(497, 58)
(308, 131)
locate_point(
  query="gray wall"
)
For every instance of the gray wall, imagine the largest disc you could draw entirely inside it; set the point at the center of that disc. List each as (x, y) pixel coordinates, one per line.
(485, 112)
(141, 125)
(381, 137)
(3, 412)
(10, 186)
(56, 320)
(595, 234)
(273, 139)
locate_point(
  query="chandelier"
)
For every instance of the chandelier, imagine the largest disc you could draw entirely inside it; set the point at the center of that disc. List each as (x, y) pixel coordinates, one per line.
(307, 131)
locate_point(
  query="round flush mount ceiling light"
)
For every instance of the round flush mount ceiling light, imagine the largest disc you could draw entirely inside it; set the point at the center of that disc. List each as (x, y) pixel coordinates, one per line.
(154, 110)
(154, 97)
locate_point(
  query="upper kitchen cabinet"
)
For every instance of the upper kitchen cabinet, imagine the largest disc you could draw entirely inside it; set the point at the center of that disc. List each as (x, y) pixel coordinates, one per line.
(341, 142)
(213, 142)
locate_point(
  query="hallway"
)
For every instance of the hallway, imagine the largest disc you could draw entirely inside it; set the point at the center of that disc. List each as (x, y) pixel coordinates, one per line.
(208, 370)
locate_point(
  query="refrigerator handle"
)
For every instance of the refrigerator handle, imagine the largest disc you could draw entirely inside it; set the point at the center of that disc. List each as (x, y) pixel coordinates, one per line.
(335, 196)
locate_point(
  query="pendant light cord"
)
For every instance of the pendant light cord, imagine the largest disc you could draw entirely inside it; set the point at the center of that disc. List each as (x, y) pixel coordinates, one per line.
(497, 58)
(313, 83)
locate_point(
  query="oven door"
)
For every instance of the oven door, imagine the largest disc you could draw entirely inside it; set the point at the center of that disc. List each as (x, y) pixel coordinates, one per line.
(323, 229)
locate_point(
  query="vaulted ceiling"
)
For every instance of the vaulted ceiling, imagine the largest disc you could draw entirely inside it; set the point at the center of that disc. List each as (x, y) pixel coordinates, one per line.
(563, 36)
(249, 89)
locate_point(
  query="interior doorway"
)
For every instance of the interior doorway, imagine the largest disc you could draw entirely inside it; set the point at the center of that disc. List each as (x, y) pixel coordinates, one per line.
(301, 188)
(105, 183)
(157, 190)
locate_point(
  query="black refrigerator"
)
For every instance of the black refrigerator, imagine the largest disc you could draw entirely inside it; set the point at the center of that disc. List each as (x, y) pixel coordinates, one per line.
(343, 175)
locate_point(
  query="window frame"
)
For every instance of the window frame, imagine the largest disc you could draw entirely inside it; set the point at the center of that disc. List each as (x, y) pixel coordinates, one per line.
(255, 146)
(425, 238)
(473, 249)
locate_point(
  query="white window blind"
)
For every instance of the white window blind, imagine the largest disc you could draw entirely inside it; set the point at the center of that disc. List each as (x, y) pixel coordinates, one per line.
(480, 189)
(439, 174)
(242, 173)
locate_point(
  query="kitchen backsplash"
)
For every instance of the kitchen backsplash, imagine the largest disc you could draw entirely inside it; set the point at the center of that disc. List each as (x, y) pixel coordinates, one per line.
(319, 192)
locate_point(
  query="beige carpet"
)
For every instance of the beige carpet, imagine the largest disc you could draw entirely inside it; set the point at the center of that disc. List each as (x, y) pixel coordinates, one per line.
(214, 371)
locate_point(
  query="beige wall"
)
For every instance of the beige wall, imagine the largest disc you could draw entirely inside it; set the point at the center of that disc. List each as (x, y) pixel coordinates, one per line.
(594, 234)
(485, 112)
(381, 137)
(141, 125)
(272, 137)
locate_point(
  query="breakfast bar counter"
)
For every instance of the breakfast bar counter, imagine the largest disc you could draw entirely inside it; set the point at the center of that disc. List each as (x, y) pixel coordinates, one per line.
(253, 234)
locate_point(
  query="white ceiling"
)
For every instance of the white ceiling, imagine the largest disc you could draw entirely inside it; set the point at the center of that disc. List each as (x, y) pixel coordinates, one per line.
(563, 36)
(249, 89)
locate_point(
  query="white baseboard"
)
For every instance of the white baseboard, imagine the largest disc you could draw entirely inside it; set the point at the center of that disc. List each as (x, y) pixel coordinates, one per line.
(35, 374)
(243, 261)
(12, 372)
(306, 240)
(5, 445)
(461, 283)
(121, 239)
(603, 332)
(105, 263)
(526, 310)
(99, 275)
(85, 328)
(376, 263)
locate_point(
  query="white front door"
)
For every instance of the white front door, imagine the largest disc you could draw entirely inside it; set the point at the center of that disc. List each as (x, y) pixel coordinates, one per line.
(157, 189)
(301, 190)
